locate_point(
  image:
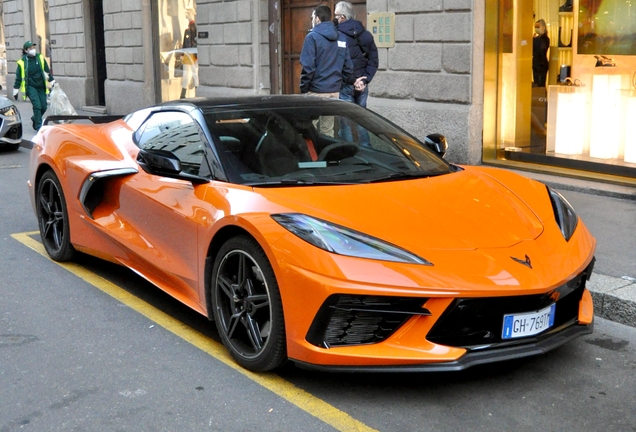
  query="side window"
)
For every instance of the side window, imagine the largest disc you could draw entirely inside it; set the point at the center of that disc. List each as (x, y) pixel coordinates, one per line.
(177, 133)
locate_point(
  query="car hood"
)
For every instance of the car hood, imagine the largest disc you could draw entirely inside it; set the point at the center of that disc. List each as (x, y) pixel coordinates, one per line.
(4, 102)
(466, 210)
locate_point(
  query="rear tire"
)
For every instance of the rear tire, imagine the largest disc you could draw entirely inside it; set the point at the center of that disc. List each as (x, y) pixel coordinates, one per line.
(52, 216)
(247, 306)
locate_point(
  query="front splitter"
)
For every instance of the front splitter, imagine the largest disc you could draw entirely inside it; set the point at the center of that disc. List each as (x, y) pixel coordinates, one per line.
(471, 358)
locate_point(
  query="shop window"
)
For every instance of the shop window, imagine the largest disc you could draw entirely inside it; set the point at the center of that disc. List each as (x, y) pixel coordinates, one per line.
(565, 80)
(42, 30)
(177, 49)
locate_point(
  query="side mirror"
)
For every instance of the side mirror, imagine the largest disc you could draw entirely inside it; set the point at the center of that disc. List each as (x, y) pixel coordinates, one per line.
(437, 143)
(165, 163)
(159, 162)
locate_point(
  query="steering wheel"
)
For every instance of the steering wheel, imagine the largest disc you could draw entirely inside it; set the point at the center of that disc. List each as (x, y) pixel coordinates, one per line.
(338, 151)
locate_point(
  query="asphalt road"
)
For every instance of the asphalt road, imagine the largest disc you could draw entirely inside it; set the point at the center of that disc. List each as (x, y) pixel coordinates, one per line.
(78, 352)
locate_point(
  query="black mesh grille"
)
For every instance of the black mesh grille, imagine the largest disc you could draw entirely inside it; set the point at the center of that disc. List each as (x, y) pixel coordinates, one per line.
(479, 321)
(354, 320)
(15, 132)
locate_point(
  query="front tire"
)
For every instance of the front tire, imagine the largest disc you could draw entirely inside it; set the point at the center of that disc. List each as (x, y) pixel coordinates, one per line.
(52, 216)
(247, 306)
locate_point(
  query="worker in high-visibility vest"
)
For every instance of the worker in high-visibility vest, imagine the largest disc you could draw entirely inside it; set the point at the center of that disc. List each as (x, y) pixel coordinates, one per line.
(31, 78)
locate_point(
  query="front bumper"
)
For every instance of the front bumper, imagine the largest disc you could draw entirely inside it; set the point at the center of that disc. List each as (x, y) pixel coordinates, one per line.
(472, 358)
(437, 334)
(10, 129)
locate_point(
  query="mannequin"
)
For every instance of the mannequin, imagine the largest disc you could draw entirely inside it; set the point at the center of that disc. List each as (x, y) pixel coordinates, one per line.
(190, 66)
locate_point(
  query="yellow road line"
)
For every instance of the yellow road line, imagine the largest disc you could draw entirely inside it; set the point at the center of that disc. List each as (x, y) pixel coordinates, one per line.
(302, 399)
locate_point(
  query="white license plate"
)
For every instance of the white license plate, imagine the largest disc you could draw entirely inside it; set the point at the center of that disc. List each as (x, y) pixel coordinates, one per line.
(528, 324)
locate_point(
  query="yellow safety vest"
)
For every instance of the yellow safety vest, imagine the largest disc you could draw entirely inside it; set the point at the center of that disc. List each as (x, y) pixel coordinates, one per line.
(22, 75)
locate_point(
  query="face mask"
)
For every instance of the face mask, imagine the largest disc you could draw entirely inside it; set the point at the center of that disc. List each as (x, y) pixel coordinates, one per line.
(539, 30)
(31, 52)
(335, 22)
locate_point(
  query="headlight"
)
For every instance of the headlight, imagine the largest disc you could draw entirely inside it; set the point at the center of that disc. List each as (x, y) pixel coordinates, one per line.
(343, 241)
(564, 214)
(9, 111)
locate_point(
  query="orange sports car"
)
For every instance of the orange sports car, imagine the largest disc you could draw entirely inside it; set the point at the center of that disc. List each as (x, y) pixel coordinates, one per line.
(317, 231)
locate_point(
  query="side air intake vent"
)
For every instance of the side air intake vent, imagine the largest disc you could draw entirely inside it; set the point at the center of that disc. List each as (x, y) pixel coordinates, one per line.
(354, 320)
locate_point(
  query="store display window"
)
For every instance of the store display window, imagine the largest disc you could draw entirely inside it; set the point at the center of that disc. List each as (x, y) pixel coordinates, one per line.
(177, 49)
(566, 84)
(42, 30)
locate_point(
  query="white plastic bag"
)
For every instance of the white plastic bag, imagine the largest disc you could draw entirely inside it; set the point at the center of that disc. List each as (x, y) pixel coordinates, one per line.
(59, 103)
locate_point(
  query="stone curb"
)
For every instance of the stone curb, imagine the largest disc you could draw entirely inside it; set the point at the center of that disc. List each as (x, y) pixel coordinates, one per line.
(614, 298)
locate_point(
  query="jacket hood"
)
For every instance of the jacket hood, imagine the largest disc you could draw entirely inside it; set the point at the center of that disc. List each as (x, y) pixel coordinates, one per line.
(327, 30)
(351, 28)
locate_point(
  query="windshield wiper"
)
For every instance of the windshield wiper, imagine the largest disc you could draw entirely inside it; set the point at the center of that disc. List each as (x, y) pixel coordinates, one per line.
(401, 176)
(297, 182)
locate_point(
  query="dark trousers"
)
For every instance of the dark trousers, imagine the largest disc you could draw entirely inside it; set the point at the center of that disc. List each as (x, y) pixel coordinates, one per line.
(38, 101)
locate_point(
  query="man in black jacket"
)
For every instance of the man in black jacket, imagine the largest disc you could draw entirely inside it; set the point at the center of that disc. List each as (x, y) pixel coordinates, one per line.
(364, 55)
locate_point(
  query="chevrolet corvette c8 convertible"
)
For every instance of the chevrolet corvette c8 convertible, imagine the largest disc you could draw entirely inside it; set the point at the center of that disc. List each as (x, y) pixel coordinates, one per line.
(318, 232)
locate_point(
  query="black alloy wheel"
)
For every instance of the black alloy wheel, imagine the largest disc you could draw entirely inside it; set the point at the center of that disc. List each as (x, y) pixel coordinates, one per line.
(247, 307)
(53, 218)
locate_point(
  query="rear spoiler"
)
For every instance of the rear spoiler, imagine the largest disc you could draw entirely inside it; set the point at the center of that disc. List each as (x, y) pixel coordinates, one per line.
(80, 118)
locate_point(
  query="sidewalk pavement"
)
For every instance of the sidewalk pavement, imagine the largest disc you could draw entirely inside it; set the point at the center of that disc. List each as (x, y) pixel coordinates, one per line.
(614, 298)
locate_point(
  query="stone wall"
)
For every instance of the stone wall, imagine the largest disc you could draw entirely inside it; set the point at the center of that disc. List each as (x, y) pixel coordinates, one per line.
(126, 76)
(430, 81)
(233, 59)
(14, 33)
(425, 83)
(68, 50)
(235, 56)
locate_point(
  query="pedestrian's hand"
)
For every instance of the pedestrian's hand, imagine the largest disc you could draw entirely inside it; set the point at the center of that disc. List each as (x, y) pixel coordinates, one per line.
(15, 94)
(359, 85)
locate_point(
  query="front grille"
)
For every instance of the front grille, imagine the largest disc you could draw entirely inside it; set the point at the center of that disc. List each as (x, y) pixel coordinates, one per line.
(479, 321)
(354, 320)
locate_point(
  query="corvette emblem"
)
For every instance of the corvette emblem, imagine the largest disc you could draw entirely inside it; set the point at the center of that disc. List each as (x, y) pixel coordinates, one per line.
(520, 261)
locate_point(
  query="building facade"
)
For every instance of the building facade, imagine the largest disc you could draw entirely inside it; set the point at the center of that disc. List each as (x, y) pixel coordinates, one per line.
(461, 68)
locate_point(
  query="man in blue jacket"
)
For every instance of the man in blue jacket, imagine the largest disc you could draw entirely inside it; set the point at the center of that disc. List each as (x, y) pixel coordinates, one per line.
(364, 55)
(326, 64)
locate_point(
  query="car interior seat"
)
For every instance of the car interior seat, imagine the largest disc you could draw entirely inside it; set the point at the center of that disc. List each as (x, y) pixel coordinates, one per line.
(278, 151)
(312, 143)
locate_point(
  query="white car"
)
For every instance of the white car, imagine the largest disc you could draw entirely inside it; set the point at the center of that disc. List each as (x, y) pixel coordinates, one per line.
(11, 125)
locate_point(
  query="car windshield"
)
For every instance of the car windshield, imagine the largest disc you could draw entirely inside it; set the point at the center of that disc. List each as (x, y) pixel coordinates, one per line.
(335, 143)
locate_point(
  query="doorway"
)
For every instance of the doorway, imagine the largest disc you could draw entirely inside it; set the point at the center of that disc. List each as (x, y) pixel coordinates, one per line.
(295, 23)
(99, 48)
